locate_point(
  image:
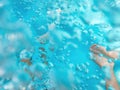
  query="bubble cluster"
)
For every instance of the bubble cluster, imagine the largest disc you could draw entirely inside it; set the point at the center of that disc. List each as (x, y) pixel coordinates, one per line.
(44, 45)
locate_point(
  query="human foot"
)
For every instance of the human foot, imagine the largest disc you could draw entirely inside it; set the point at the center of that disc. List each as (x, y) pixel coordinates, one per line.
(108, 69)
(98, 49)
(101, 61)
(113, 54)
(101, 50)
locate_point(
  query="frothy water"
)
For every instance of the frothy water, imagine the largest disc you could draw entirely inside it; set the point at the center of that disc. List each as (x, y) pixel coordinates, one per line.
(44, 45)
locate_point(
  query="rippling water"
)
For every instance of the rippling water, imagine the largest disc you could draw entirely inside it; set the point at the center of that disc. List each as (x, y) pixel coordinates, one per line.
(44, 45)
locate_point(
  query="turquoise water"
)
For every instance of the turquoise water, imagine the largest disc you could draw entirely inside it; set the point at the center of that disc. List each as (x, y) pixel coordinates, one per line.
(56, 36)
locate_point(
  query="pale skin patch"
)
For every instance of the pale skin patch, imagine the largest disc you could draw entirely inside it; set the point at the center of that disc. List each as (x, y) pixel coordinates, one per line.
(103, 61)
(43, 39)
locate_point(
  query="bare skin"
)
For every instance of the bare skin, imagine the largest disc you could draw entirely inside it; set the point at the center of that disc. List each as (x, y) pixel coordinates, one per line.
(27, 61)
(103, 61)
(43, 55)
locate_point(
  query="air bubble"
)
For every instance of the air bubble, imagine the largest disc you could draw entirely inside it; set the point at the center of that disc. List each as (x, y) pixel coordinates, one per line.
(95, 8)
(25, 54)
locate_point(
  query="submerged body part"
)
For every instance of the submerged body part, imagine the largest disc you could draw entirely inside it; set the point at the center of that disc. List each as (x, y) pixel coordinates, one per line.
(102, 61)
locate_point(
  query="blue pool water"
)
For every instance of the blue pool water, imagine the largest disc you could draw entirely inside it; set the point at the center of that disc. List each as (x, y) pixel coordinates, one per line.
(56, 36)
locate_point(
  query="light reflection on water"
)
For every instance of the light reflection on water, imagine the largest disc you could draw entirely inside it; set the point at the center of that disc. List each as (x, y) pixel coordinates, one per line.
(53, 39)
